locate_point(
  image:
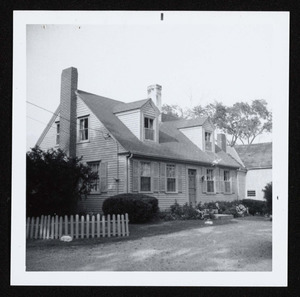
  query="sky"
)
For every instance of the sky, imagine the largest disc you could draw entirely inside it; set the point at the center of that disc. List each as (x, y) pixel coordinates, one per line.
(194, 62)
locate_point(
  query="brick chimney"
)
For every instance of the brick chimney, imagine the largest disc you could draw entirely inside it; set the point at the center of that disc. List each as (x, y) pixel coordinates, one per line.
(68, 104)
(221, 141)
(154, 92)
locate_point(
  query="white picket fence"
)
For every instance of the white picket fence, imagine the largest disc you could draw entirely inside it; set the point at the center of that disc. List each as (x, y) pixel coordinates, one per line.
(47, 227)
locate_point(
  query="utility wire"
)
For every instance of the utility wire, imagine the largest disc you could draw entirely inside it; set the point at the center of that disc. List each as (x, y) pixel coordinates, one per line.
(75, 123)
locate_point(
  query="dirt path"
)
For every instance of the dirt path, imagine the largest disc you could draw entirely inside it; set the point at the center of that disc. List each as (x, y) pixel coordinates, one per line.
(242, 245)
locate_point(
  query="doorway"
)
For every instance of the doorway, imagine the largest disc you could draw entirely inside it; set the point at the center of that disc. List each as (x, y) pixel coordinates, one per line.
(192, 185)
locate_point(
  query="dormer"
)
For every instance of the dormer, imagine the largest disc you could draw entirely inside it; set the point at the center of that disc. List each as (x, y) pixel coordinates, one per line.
(141, 118)
(200, 131)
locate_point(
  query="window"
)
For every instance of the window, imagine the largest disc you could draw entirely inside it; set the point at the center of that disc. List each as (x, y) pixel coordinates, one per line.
(145, 177)
(227, 181)
(251, 193)
(95, 185)
(171, 178)
(210, 180)
(148, 128)
(208, 142)
(57, 133)
(83, 129)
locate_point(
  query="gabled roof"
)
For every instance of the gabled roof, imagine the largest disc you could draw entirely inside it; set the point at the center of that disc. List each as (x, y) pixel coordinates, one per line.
(173, 144)
(130, 106)
(258, 155)
(187, 123)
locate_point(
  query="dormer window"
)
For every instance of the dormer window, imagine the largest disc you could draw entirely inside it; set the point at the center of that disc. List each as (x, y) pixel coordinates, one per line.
(57, 133)
(208, 142)
(148, 128)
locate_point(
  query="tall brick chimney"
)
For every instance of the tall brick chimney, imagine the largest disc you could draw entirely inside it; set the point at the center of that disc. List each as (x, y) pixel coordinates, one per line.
(154, 92)
(68, 103)
(221, 141)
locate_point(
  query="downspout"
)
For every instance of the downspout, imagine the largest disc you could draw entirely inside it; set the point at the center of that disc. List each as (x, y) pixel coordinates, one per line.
(128, 162)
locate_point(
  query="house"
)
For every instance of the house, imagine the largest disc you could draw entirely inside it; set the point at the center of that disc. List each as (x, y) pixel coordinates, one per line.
(137, 149)
(256, 169)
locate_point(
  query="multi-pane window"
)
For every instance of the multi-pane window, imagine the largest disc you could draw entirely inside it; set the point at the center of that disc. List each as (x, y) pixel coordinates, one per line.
(210, 180)
(208, 142)
(95, 185)
(57, 132)
(145, 177)
(227, 181)
(148, 128)
(171, 178)
(83, 129)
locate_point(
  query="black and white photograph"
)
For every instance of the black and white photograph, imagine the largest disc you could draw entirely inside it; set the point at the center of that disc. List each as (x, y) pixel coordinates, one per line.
(148, 145)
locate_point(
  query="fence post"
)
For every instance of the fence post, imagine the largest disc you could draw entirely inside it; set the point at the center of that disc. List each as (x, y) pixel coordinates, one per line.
(60, 226)
(72, 226)
(52, 228)
(31, 227)
(66, 226)
(36, 228)
(87, 226)
(27, 227)
(93, 226)
(108, 225)
(76, 226)
(119, 225)
(98, 225)
(82, 226)
(114, 225)
(56, 227)
(48, 227)
(127, 221)
(123, 225)
(103, 226)
(41, 227)
(44, 227)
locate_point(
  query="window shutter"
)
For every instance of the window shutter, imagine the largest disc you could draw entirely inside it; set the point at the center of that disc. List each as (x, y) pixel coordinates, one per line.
(204, 183)
(135, 176)
(103, 176)
(233, 181)
(162, 179)
(180, 172)
(222, 184)
(155, 175)
(218, 180)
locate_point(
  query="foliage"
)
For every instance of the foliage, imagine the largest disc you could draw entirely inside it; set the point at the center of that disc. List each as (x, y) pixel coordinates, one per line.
(55, 182)
(255, 206)
(140, 208)
(268, 196)
(182, 212)
(241, 121)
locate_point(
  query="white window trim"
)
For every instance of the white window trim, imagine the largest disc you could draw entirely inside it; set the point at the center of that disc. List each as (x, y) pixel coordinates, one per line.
(140, 176)
(176, 179)
(214, 180)
(78, 129)
(99, 181)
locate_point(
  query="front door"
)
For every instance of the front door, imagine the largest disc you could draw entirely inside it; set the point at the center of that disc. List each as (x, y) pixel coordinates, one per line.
(192, 185)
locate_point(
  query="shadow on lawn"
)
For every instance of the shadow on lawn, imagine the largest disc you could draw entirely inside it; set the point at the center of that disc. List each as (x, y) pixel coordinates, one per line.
(137, 231)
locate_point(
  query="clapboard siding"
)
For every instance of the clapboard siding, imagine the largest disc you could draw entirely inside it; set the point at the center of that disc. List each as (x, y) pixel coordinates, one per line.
(241, 182)
(49, 140)
(167, 199)
(104, 150)
(194, 134)
(132, 119)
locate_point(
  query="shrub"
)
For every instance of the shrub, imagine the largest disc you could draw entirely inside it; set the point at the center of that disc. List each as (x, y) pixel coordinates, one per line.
(268, 197)
(255, 206)
(183, 212)
(140, 208)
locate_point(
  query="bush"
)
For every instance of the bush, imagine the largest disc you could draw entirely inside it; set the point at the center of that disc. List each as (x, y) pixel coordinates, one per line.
(268, 197)
(255, 206)
(140, 208)
(183, 212)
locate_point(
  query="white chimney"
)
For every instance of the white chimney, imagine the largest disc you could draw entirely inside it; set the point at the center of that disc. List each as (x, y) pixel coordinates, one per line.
(154, 92)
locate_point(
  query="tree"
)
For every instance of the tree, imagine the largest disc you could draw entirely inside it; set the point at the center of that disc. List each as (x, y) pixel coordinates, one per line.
(55, 182)
(268, 196)
(174, 110)
(241, 121)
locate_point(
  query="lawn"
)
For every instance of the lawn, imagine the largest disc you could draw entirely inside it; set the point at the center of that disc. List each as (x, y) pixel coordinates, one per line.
(243, 244)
